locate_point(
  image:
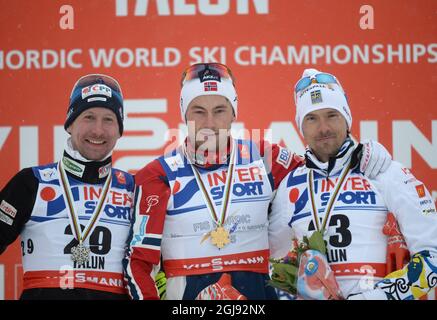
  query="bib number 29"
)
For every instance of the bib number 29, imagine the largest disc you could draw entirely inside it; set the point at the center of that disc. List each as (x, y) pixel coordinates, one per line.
(100, 240)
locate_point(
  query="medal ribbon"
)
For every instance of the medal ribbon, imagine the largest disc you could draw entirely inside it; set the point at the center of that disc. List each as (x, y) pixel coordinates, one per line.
(68, 198)
(227, 191)
(329, 208)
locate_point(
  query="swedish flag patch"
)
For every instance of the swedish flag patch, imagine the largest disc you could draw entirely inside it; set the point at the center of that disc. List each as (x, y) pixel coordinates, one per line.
(316, 97)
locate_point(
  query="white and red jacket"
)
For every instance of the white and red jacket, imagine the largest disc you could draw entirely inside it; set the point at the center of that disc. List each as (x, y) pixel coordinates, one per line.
(172, 221)
(355, 242)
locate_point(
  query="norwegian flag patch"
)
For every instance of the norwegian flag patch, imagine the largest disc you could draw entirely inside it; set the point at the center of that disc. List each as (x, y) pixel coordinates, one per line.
(210, 86)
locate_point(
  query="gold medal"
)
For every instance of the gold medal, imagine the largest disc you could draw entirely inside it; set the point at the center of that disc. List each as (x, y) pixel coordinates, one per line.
(220, 237)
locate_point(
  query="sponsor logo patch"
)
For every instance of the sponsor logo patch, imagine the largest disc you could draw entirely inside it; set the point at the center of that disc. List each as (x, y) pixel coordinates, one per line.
(48, 174)
(120, 177)
(284, 157)
(220, 263)
(314, 85)
(6, 219)
(174, 162)
(420, 189)
(428, 211)
(73, 167)
(151, 201)
(8, 209)
(209, 75)
(96, 89)
(103, 171)
(97, 99)
(425, 202)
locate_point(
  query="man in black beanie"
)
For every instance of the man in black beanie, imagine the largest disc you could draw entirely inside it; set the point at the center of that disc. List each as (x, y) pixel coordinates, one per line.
(73, 216)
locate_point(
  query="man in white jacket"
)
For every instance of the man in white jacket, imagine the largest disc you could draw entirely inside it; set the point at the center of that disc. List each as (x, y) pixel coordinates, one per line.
(330, 194)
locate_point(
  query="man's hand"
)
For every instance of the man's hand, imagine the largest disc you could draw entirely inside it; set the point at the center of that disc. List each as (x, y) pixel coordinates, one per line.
(375, 158)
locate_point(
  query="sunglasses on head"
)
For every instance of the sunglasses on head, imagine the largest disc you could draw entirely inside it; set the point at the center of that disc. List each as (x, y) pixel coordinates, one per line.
(203, 70)
(323, 78)
(91, 79)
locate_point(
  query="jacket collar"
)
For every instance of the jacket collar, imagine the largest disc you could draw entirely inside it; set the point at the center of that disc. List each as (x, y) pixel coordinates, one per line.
(349, 151)
(207, 159)
(85, 170)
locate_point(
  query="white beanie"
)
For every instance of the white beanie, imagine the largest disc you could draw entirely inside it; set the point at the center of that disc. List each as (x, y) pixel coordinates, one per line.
(320, 96)
(193, 88)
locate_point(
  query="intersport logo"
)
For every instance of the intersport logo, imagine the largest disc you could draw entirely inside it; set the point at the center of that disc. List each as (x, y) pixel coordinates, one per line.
(124, 8)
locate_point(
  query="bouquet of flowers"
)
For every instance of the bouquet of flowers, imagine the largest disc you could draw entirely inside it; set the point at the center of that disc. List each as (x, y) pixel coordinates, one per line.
(305, 271)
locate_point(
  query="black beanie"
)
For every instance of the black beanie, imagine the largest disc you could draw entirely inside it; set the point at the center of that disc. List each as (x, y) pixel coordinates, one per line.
(95, 90)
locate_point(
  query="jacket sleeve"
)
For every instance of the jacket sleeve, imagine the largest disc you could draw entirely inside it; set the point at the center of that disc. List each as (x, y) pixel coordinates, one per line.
(280, 233)
(17, 199)
(415, 211)
(279, 162)
(144, 245)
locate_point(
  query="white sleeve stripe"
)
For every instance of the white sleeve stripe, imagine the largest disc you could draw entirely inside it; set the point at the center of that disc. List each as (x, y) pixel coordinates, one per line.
(140, 195)
(153, 235)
